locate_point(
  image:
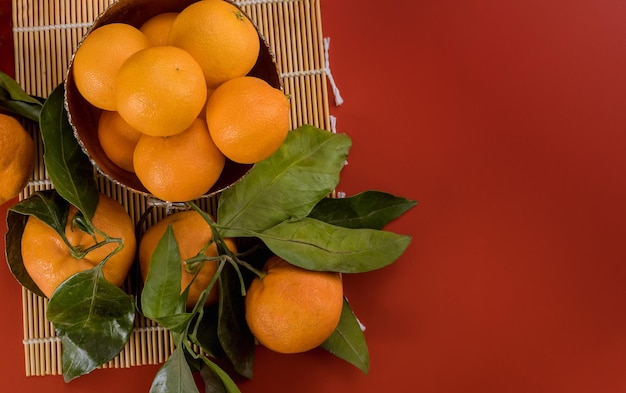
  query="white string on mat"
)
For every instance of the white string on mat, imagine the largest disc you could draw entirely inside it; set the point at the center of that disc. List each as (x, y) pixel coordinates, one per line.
(42, 340)
(333, 124)
(39, 183)
(149, 329)
(338, 98)
(30, 29)
(325, 70)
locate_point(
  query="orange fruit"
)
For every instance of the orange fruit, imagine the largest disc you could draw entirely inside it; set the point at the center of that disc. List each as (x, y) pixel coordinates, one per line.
(248, 119)
(181, 167)
(117, 139)
(49, 262)
(192, 234)
(98, 59)
(291, 309)
(160, 90)
(17, 158)
(219, 36)
(157, 28)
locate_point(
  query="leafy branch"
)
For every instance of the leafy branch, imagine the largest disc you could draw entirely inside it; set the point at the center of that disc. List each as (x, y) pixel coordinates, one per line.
(282, 206)
(283, 203)
(93, 317)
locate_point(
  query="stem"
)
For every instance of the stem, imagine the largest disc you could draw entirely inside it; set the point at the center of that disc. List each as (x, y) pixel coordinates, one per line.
(259, 273)
(81, 254)
(242, 284)
(191, 263)
(222, 249)
(199, 306)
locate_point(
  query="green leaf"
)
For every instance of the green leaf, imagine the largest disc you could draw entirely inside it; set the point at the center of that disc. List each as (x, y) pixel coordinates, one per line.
(176, 323)
(175, 375)
(212, 382)
(233, 331)
(13, 240)
(217, 380)
(94, 319)
(287, 185)
(369, 209)
(347, 341)
(79, 222)
(14, 99)
(205, 335)
(161, 299)
(316, 245)
(48, 207)
(69, 168)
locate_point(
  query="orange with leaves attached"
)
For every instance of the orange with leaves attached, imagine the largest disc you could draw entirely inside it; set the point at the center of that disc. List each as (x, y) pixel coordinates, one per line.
(49, 261)
(192, 234)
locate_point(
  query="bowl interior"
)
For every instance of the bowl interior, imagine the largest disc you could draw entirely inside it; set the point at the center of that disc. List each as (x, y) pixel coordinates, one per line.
(84, 117)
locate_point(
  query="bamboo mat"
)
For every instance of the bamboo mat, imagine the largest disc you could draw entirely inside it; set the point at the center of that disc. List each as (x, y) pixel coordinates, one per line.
(46, 33)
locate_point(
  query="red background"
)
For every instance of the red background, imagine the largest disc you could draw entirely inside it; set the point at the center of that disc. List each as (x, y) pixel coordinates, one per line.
(506, 120)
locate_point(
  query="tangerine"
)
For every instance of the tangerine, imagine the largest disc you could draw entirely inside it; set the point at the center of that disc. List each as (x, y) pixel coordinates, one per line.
(160, 90)
(192, 234)
(157, 28)
(219, 36)
(49, 261)
(290, 309)
(99, 58)
(181, 167)
(117, 139)
(17, 158)
(248, 119)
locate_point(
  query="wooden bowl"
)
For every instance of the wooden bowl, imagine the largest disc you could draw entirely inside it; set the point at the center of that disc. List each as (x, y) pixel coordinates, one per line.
(84, 117)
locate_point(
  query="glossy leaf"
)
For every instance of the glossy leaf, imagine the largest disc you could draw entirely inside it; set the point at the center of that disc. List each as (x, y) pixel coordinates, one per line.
(69, 168)
(94, 319)
(348, 341)
(161, 299)
(316, 245)
(233, 331)
(176, 323)
(213, 376)
(369, 209)
(15, 100)
(16, 223)
(175, 375)
(212, 382)
(287, 185)
(48, 207)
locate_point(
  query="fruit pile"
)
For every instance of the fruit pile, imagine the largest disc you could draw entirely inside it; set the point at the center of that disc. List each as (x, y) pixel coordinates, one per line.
(177, 99)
